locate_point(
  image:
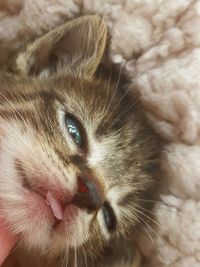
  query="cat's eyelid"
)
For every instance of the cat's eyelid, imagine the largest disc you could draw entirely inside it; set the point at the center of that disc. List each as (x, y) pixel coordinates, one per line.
(102, 225)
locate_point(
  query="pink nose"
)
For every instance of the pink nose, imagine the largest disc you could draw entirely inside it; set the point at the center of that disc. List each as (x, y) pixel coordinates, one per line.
(89, 195)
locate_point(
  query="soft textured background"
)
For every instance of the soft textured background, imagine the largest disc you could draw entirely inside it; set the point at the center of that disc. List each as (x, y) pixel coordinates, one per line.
(158, 42)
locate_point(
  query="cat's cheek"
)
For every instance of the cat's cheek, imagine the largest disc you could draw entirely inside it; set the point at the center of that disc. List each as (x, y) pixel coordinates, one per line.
(28, 217)
(102, 226)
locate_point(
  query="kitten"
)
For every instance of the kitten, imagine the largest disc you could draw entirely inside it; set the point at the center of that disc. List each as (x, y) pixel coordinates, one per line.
(77, 158)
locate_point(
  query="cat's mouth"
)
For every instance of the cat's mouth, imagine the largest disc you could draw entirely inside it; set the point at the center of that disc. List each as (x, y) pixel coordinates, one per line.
(54, 200)
(55, 206)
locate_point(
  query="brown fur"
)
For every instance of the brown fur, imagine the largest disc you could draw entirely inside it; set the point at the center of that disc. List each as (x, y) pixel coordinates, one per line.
(55, 73)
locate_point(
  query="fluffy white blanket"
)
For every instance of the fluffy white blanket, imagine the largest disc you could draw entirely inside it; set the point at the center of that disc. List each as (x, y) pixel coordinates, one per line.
(159, 43)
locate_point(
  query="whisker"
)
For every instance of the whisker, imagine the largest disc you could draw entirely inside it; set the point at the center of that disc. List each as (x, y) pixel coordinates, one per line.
(115, 90)
(86, 265)
(156, 234)
(153, 231)
(150, 237)
(123, 112)
(66, 258)
(75, 256)
(48, 250)
(108, 91)
(165, 208)
(152, 220)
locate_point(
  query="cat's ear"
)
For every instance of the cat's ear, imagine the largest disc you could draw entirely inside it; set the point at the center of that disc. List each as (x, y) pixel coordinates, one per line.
(75, 47)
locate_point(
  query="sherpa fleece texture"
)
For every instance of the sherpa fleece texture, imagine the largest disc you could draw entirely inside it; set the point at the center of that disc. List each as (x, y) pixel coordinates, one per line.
(158, 42)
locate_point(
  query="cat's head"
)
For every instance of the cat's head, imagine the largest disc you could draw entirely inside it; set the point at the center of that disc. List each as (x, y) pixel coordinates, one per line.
(77, 159)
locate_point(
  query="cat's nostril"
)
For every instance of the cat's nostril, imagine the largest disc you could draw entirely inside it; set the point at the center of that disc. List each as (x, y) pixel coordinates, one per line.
(83, 185)
(88, 195)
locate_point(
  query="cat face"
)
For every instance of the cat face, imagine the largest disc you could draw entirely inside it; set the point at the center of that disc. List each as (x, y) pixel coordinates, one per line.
(77, 158)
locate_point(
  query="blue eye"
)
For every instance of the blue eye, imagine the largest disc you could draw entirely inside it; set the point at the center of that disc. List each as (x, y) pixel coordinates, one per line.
(74, 130)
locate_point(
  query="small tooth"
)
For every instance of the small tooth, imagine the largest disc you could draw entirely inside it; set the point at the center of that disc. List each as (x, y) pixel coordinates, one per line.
(55, 205)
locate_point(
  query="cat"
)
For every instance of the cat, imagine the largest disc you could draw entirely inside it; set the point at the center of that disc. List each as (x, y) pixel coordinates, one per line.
(78, 160)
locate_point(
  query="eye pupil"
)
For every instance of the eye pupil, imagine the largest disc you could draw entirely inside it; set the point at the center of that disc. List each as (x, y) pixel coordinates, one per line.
(109, 217)
(74, 130)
